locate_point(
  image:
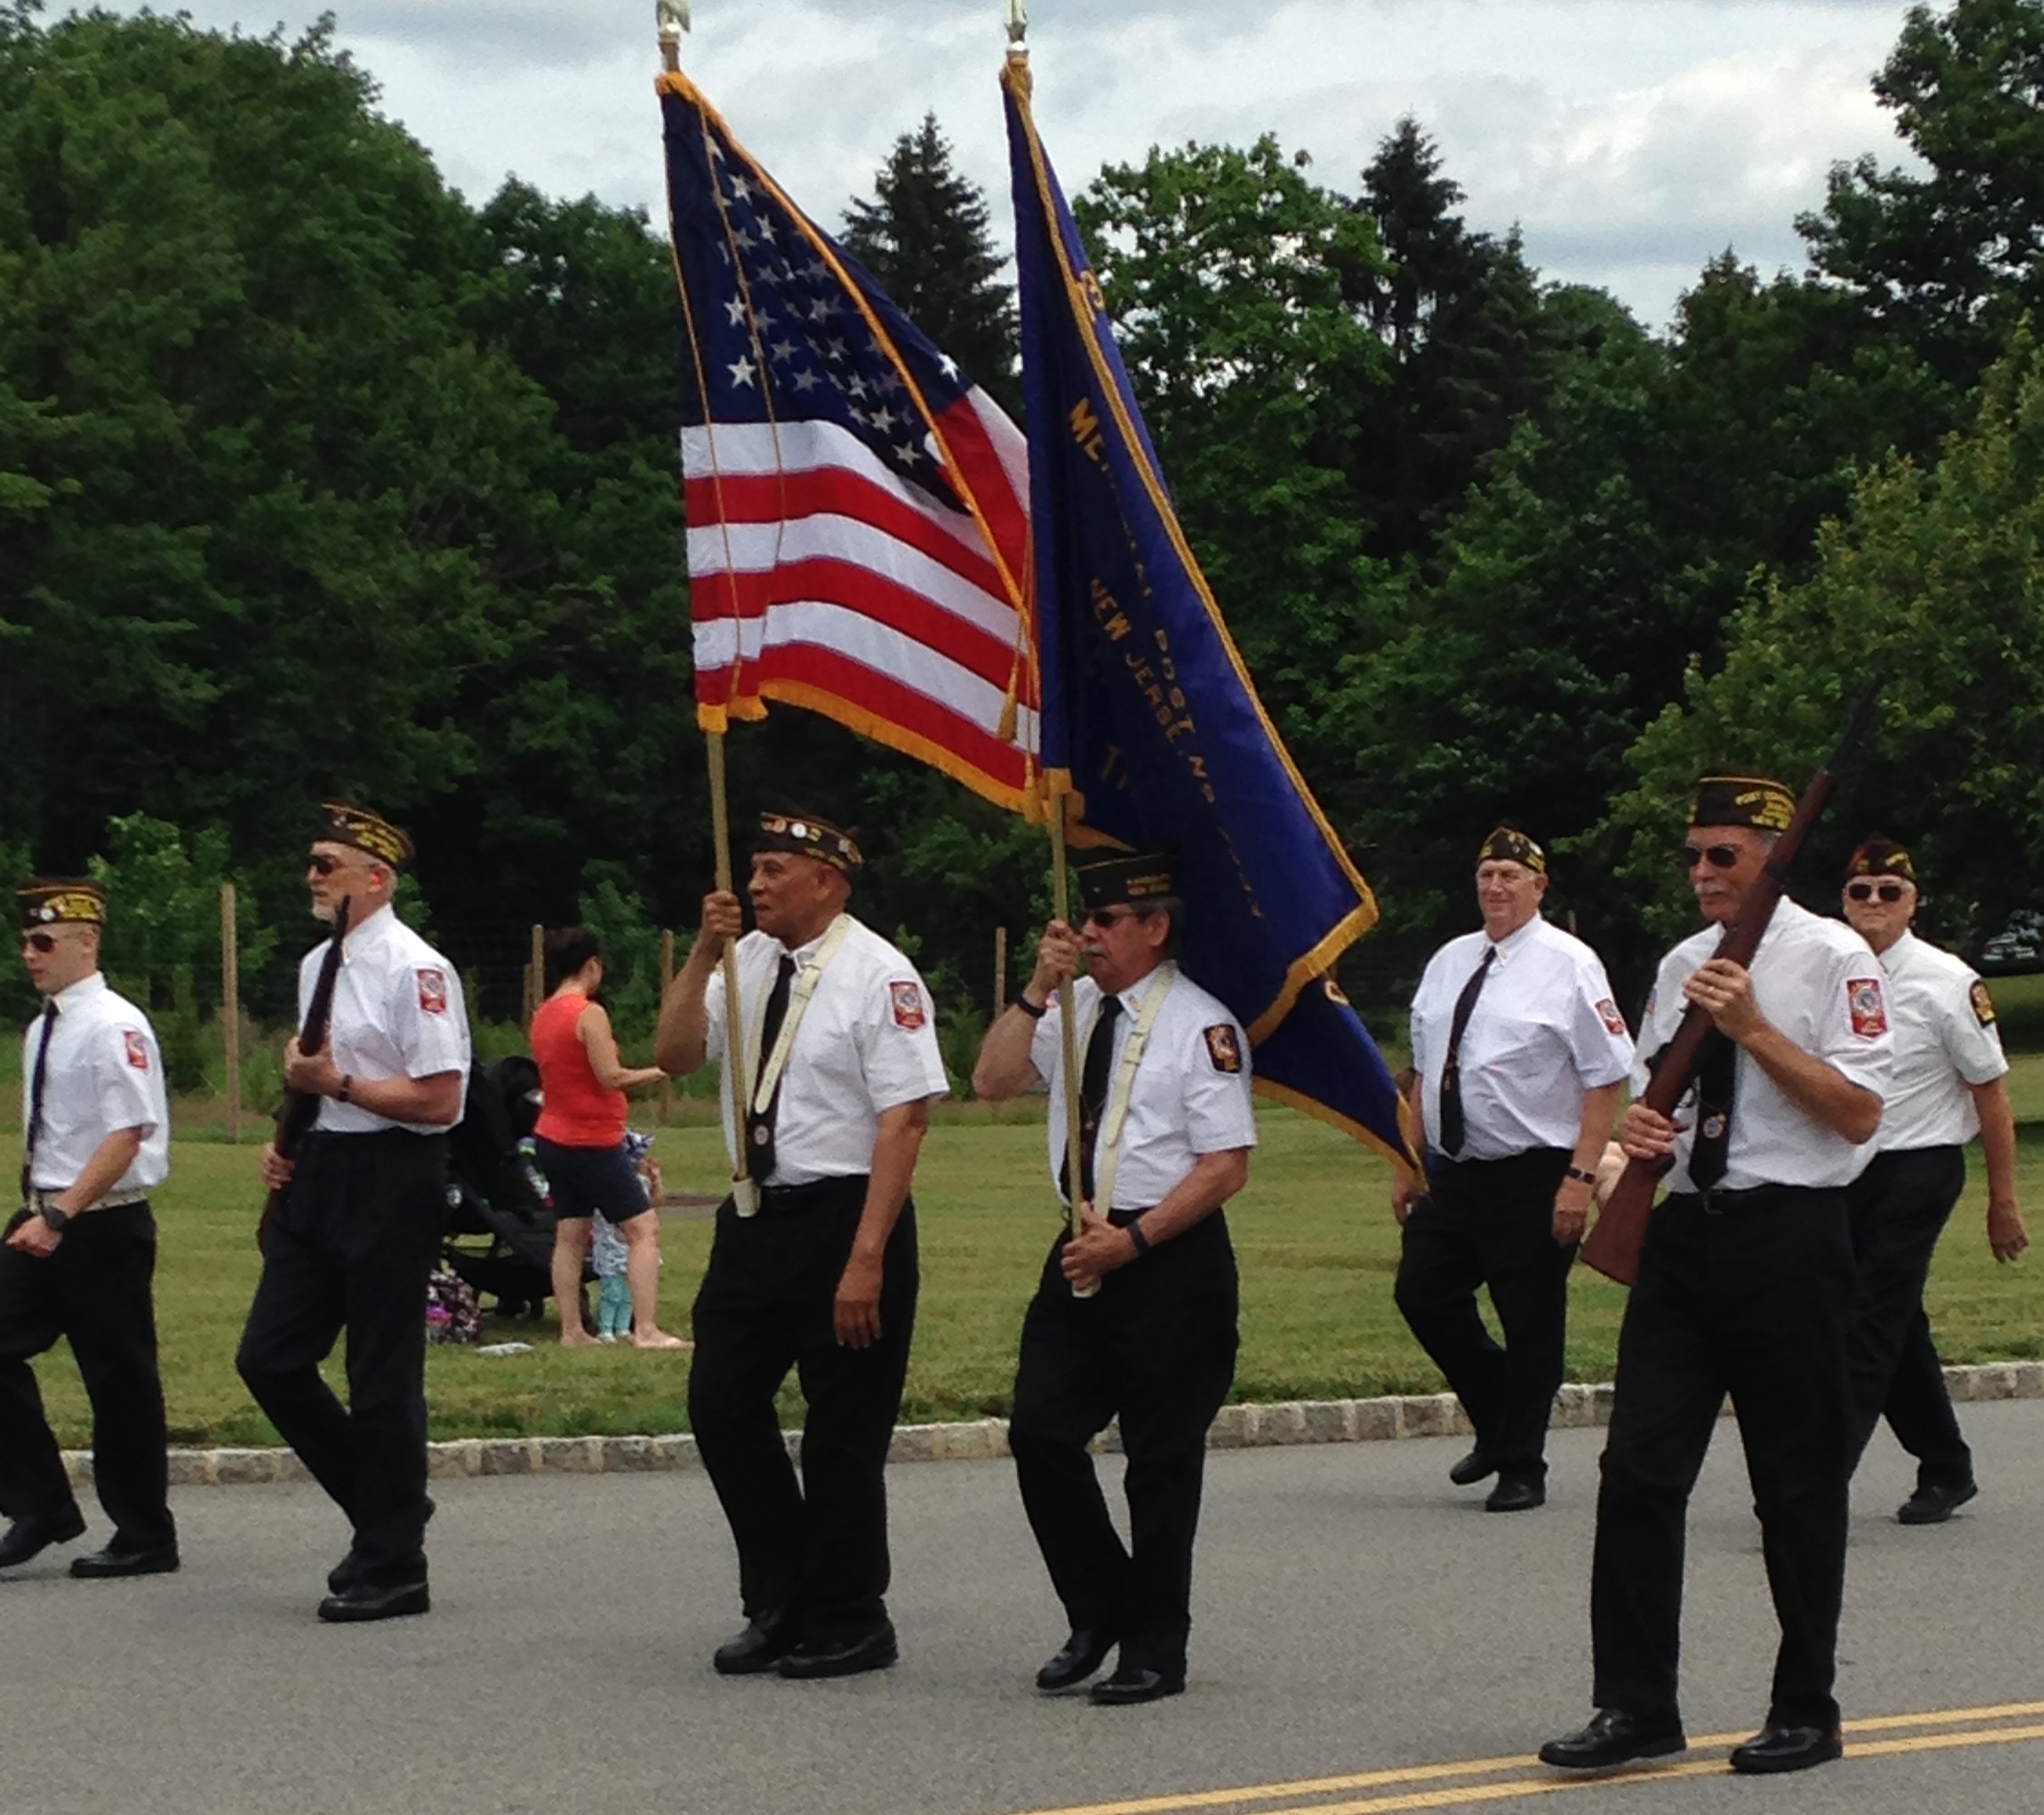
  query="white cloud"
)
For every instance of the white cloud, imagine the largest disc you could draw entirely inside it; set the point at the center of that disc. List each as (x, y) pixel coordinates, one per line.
(1632, 139)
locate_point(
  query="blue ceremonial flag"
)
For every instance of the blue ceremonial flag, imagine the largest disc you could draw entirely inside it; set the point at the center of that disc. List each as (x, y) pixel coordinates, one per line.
(1149, 720)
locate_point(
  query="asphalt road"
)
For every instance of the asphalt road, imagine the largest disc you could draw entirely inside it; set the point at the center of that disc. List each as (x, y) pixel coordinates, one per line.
(1367, 1640)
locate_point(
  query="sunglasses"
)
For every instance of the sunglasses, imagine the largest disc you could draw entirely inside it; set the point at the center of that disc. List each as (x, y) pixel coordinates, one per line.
(44, 942)
(320, 864)
(1890, 893)
(1718, 856)
(1108, 916)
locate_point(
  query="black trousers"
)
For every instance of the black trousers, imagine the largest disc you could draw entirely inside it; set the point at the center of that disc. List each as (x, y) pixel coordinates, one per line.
(818, 1547)
(1900, 1205)
(1156, 1346)
(1751, 1299)
(351, 1248)
(1490, 1222)
(95, 1291)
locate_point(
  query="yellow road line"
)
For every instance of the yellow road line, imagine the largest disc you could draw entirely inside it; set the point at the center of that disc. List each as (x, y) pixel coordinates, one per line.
(1437, 1773)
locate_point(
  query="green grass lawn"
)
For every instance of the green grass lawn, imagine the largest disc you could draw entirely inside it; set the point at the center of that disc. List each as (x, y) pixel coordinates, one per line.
(1315, 1239)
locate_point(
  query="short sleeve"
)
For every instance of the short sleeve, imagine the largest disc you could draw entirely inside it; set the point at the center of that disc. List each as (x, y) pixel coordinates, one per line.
(1852, 1022)
(713, 1016)
(428, 1020)
(1598, 1042)
(1044, 1040)
(1658, 1023)
(1967, 1027)
(128, 1074)
(898, 1041)
(1215, 1063)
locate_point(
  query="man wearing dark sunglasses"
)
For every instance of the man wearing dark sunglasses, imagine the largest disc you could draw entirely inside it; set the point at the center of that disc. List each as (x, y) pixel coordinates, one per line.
(355, 1238)
(1521, 1054)
(1745, 1287)
(1949, 1084)
(1165, 1128)
(79, 1255)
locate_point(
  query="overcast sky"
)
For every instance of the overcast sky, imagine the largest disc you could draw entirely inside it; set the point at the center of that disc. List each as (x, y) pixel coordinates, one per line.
(1632, 140)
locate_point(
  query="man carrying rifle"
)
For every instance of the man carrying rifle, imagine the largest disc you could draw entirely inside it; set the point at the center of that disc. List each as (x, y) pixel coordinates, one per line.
(1745, 1287)
(78, 1258)
(354, 1239)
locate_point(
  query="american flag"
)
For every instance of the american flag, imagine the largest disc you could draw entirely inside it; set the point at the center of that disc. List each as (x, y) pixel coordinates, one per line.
(858, 527)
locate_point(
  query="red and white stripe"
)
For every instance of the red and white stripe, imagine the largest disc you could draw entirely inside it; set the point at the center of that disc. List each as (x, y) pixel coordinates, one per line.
(819, 574)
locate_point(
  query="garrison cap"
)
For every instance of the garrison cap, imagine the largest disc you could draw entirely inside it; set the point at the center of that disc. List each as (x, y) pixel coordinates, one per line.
(1880, 857)
(808, 836)
(1129, 879)
(364, 831)
(1505, 845)
(61, 901)
(1754, 800)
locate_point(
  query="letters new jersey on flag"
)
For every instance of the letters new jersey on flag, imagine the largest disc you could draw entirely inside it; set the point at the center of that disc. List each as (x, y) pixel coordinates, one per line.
(1148, 715)
(857, 526)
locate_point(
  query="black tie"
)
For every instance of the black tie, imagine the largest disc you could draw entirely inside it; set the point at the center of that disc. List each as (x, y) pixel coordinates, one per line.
(1716, 1081)
(37, 1079)
(1093, 1095)
(759, 1123)
(1452, 1131)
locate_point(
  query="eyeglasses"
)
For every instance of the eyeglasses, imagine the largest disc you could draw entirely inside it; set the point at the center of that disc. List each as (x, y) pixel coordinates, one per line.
(320, 864)
(44, 942)
(1108, 916)
(1718, 856)
(1890, 893)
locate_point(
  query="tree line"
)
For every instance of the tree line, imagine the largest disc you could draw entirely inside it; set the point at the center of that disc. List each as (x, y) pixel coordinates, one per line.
(315, 477)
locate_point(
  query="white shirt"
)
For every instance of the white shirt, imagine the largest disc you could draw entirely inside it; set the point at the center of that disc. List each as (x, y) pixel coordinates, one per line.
(866, 1044)
(1818, 983)
(1945, 1039)
(1545, 1029)
(104, 1074)
(397, 1013)
(1190, 1095)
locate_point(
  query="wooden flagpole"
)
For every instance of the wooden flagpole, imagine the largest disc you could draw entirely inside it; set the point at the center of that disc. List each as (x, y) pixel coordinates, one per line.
(744, 1194)
(1060, 874)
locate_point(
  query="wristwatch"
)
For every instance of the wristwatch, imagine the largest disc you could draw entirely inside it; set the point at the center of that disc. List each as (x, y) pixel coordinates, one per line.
(57, 1219)
(1580, 1176)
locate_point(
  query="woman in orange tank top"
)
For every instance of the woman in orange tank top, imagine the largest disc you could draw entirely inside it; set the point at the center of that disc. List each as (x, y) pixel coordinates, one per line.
(580, 1139)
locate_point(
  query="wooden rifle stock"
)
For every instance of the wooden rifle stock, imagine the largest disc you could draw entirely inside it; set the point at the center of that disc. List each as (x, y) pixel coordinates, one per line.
(1613, 1246)
(297, 1113)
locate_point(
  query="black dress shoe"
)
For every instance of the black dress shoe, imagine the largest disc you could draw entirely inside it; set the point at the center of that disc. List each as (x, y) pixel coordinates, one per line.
(875, 1650)
(1614, 1737)
(765, 1641)
(125, 1559)
(1516, 1493)
(1933, 1504)
(27, 1539)
(1131, 1684)
(1474, 1467)
(1786, 1749)
(361, 1601)
(1084, 1652)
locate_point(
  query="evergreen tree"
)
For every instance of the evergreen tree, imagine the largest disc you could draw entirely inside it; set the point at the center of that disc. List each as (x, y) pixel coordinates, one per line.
(927, 236)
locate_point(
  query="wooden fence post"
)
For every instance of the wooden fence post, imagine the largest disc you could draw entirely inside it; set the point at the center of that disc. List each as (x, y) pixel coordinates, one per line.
(1000, 974)
(667, 976)
(231, 1007)
(535, 974)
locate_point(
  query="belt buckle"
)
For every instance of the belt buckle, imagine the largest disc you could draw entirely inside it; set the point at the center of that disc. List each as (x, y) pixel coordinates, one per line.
(1710, 1198)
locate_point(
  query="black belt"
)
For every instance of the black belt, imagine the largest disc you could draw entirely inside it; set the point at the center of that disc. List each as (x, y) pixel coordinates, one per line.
(813, 1195)
(1121, 1219)
(1718, 1201)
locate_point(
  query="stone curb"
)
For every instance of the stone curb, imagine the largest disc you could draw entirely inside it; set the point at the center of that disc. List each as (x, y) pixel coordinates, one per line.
(1576, 1407)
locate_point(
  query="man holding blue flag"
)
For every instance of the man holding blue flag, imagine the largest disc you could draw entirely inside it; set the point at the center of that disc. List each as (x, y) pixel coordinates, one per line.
(1135, 1316)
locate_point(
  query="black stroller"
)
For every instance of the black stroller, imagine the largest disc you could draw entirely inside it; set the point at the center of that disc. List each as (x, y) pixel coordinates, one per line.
(500, 1222)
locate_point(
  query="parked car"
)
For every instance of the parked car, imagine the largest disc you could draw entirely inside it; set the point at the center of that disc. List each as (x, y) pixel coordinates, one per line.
(2018, 947)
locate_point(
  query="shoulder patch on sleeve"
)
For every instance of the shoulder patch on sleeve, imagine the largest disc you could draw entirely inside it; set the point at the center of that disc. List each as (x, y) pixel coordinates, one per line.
(1224, 1048)
(906, 999)
(1983, 1003)
(433, 990)
(1869, 1013)
(1615, 1023)
(137, 1048)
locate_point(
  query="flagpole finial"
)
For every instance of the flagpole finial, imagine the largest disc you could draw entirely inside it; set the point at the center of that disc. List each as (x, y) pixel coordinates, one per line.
(1018, 28)
(673, 16)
